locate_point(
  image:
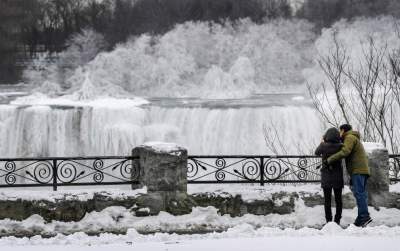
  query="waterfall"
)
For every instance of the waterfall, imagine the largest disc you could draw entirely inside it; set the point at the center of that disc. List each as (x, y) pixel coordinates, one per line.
(45, 130)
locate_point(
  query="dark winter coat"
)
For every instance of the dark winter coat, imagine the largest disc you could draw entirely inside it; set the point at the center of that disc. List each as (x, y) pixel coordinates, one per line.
(332, 174)
(354, 153)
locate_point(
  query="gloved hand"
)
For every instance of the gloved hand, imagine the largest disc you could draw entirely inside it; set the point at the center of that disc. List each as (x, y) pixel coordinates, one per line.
(326, 164)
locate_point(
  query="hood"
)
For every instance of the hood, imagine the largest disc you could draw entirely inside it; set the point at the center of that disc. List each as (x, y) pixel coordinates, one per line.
(332, 135)
(354, 133)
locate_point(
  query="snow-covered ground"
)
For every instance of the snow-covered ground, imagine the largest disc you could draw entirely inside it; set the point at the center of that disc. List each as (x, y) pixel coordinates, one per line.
(202, 219)
(240, 237)
(301, 230)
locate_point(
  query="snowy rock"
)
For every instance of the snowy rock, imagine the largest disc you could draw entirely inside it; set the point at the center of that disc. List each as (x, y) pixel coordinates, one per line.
(62, 207)
(163, 170)
(378, 183)
(163, 167)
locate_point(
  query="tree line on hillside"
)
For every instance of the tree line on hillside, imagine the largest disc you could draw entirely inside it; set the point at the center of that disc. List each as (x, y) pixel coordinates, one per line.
(29, 27)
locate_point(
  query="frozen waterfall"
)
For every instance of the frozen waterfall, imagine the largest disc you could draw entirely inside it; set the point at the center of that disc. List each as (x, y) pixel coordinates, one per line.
(45, 130)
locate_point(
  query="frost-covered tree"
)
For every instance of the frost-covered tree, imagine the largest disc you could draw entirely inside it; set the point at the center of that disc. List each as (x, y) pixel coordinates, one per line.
(243, 57)
(81, 48)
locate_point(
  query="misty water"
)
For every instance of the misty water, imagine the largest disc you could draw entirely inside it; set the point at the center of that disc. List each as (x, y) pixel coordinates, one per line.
(234, 126)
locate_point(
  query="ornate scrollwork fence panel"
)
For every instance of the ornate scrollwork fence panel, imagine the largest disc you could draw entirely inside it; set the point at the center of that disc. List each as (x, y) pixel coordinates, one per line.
(394, 168)
(253, 169)
(56, 172)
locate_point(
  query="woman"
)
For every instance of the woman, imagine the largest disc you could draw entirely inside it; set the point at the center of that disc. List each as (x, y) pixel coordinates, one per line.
(331, 175)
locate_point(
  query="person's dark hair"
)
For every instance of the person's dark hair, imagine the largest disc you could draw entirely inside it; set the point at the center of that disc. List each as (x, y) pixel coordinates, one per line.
(332, 135)
(345, 127)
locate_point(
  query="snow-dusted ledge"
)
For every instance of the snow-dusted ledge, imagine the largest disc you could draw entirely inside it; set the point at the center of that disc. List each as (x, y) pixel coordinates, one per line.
(42, 194)
(164, 147)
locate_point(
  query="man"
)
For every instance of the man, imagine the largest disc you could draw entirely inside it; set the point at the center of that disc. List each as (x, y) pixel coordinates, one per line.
(357, 167)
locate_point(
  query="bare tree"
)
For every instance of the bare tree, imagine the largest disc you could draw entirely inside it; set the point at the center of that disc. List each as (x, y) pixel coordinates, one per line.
(371, 97)
(333, 66)
(272, 138)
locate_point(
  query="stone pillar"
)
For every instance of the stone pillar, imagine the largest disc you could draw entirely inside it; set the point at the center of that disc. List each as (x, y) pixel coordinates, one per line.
(163, 170)
(378, 183)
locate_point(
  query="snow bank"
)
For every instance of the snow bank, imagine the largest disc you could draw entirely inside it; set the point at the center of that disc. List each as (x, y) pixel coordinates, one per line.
(120, 219)
(240, 237)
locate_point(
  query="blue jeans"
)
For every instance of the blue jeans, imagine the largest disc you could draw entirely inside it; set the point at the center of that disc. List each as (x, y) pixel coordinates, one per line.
(359, 189)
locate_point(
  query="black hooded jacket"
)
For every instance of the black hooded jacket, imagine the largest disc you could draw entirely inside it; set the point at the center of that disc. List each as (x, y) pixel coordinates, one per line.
(332, 175)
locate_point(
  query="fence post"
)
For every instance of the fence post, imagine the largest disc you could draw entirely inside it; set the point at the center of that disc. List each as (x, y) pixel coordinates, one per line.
(54, 175)
(262, 171)
(163, 170)
(379, 181)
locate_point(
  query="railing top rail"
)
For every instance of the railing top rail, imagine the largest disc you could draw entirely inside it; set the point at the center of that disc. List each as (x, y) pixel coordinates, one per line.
(134, 157)
(254, 156)
(67, 158)
(190, 156)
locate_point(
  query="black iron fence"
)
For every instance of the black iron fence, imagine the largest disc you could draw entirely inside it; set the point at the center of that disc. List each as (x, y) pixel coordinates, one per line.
(265, 169)
(254, 169)
(124, 170)
(77, 171)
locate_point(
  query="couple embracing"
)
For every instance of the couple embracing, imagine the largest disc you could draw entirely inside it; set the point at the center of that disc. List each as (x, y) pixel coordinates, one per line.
(335, 146)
